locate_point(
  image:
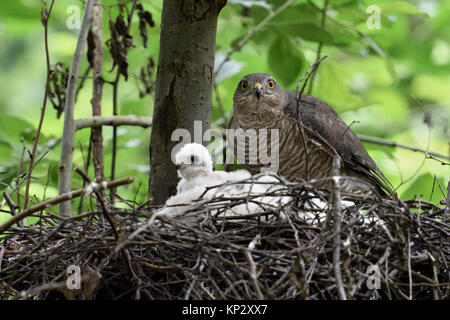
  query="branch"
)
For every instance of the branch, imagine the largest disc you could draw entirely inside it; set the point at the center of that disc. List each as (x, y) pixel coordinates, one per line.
(64, 197)
(398, 145)
(65, 166)
(319, 48)
(83, 79)
(19, 171)
(337, 228)
(107, 214)
(253, 274)
(115, 104)
(98, 121)
(12, 206)
(305, 77)
(45, 17)
(447, 204)
(97, 92)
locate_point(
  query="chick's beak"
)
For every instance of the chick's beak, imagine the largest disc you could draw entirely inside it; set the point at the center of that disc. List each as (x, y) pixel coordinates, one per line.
(258, 89)
(178, 164)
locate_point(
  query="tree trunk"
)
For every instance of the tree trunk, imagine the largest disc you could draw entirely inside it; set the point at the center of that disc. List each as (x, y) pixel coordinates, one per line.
(184, 84)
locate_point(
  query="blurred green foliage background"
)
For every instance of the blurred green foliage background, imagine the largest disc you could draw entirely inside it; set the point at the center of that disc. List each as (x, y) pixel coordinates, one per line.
(391, 82)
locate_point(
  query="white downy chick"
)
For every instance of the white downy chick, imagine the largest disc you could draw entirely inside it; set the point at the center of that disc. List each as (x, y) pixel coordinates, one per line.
(319, 208)
(261, 193)
(195, 168)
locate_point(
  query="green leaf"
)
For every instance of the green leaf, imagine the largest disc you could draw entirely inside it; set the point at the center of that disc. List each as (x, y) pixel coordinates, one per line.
(359, 15)
(401, 7)
(307, 31)
(422, 187)
(12, 128)
(334, 87)
(285, 61)
(304, 13)
(5, 150)
(4, 217)
(433, 87)
(235, 42)
(352, 14)
(377, 151)
(342, 35)
(340, 3)
(389, 101)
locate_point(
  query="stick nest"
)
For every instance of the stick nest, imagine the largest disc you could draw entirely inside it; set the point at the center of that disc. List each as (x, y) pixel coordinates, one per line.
(403, 244)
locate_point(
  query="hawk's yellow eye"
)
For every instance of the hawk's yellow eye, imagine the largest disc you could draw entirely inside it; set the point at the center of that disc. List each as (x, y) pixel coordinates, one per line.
(244, 85)
(270, 84)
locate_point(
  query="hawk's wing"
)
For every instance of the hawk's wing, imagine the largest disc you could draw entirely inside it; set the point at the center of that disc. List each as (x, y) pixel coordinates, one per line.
(323, 123)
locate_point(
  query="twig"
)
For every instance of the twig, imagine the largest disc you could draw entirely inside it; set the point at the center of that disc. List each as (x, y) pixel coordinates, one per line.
(105, 211)
(305, 77)
(409, 267)
(65, 167)
(64, 197)
(98, 121)
(337, 228)
(86, 168)
(19, 170)
(436, 290)
(447, 204)
(319, 48)
(427, 121)
(116, 107)
(11, 204)
(253, 274)
(45, 17)
(394, 144)
(19, 183)
(386, 254)
(83, 79)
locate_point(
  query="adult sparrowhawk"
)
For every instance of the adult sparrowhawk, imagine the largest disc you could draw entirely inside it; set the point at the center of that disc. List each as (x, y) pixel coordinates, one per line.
(304, 154)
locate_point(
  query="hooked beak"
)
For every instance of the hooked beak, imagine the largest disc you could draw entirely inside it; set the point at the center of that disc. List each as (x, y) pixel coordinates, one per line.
(258, 89)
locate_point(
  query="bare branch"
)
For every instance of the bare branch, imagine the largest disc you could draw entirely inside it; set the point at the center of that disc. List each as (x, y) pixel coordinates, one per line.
(319, 48)
(394, 144)
(97, 92)
(115, 85)
(337, 227)
(45, 18)
(98, 121)
(305, 78)
(65, 166)
(61, 198)
(447, 204)
(107, 214)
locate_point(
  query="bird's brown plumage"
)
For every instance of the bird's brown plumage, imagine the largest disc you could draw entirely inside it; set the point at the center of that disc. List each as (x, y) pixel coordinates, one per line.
(325, 134)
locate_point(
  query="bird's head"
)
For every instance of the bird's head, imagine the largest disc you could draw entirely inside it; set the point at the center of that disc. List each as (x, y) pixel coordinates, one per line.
(193, 160)
(258, 92)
